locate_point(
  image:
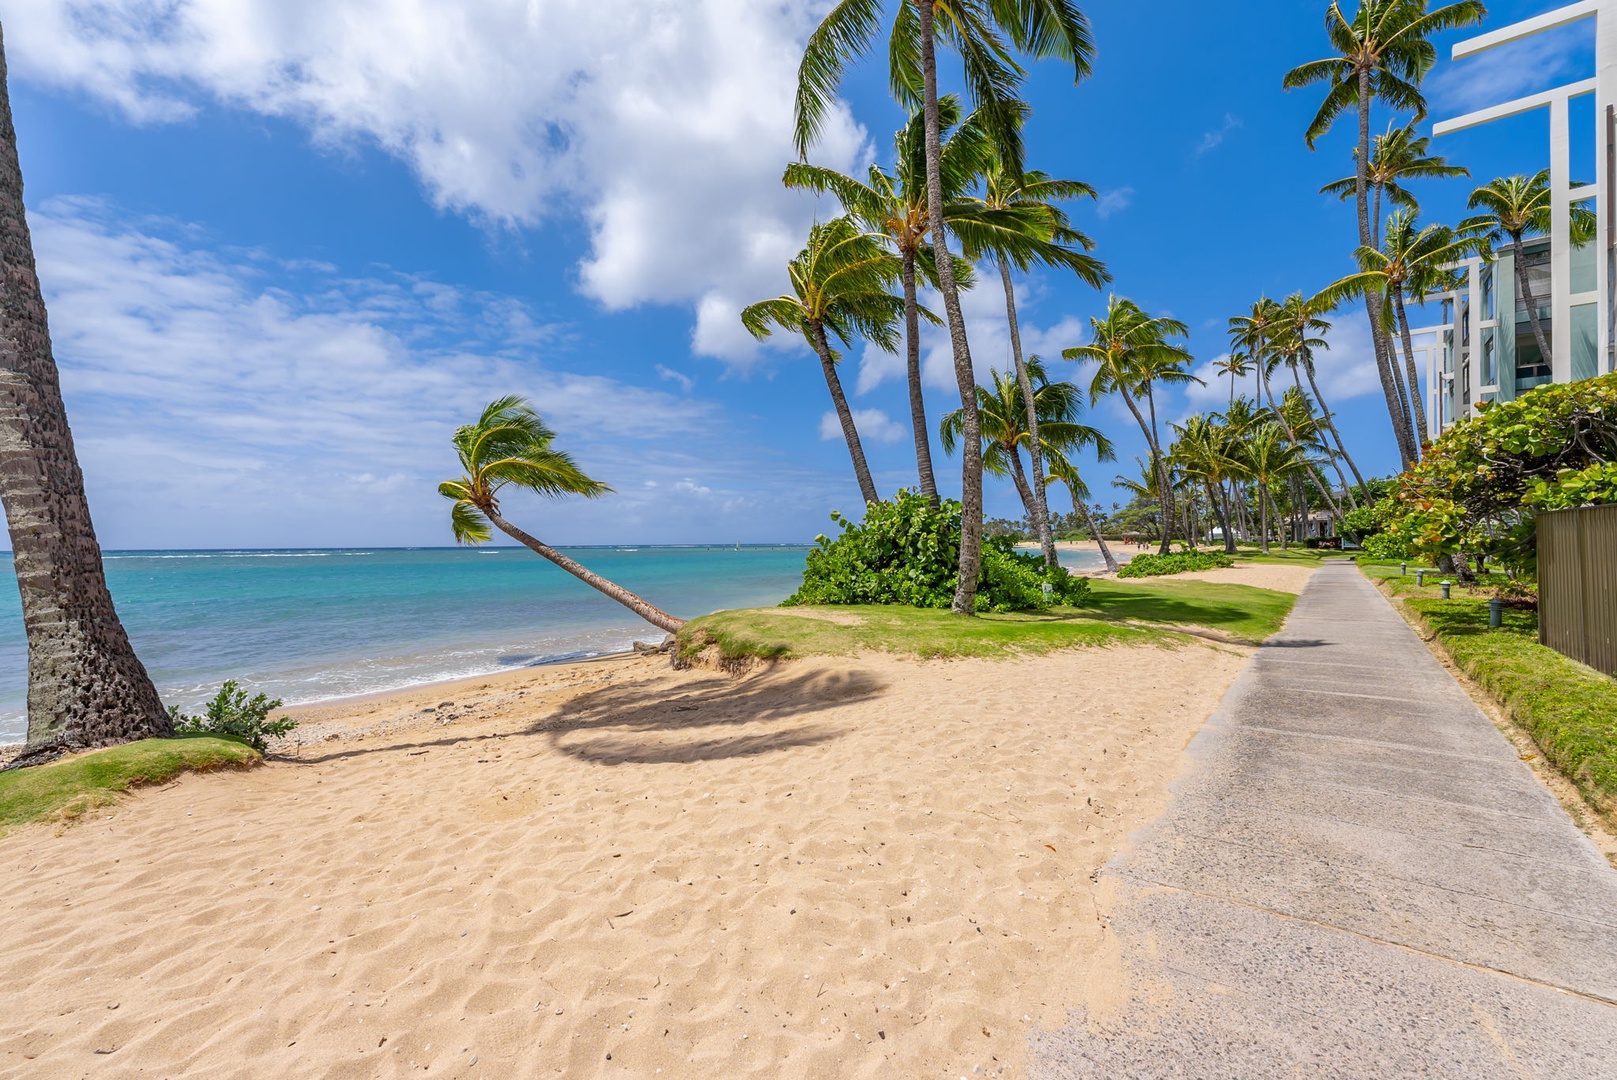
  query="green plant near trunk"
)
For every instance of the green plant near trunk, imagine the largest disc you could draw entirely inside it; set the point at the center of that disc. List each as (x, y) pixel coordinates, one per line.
(1181, 563)
(234, 714)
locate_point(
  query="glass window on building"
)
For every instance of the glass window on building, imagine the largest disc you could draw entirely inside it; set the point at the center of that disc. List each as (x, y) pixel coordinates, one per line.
(1585, 351)
(1489, 375)
(1537, 261)
(1583, 269)
(1488, 305)
(1532, 369)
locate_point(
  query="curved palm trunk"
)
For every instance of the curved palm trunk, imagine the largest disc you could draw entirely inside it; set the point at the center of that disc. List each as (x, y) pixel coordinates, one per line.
(1094, 530)
(86, 686)
(971, 467)
(1527, 298)
(656, 616)
(1336, 435)
(1164, 481)
(1041, 507)
(1409, 366)
(1156, 458)
(912, 348)
(856, 450)
(1019, 478)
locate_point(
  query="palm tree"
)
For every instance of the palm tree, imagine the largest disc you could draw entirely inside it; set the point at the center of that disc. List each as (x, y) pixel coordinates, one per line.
(1400, 155)
(1063, 470)
(982, 32)
(1300, 328)
(1253, 332)
(893, 206)
(86, 686)
(1237, 365)
(1203, 452)
(1383, 51)
(1020, 225)
(510, 445)
(1269, 456)
(1132, 354)
(1518, 206)
(840, 283)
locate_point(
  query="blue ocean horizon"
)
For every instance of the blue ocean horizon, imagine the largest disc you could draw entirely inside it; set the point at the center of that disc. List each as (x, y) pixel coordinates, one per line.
(314, 624)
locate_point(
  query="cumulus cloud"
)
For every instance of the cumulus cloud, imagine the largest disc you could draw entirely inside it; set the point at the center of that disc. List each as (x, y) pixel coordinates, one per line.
(1114, 201)
(873, 424)
(665, 123)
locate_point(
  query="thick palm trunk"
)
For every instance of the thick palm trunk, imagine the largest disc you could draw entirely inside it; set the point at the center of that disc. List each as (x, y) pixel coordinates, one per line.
(86, 686)
(1164, 480)
(856, 450)
(1019, 479)
(1409, 367)
(912, 349)
(971, 467)
(1041, 506)
(654, 615)
(1527, 298)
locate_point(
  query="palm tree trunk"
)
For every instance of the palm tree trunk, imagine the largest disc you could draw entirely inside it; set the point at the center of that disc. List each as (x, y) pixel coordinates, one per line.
(912, 347)
(1041, 506)
(1263, 511)
(1226, 518)
(856, 450)
(1080, 507)
(971, 467)
(1019, 478)
(654, 615)
(1409, 363)
(86, 686)
(1527, 298)
(1336, 435)
(1151, 448)
(1164, 480)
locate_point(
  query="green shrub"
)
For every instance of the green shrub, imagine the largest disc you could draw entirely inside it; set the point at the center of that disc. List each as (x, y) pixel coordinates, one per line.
(1179, 563)
(231, 713)
(907, 552)
(1387, 546)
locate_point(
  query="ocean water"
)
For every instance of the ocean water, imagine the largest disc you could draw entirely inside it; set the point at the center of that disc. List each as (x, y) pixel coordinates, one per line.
(310, 625)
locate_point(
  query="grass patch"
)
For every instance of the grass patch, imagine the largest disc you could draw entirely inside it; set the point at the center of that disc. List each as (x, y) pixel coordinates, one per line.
(1570, 710)
(73, 786)
(1297, 556)
(1116, 613)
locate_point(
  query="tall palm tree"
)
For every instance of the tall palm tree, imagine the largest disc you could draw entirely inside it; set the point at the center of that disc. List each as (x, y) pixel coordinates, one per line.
(86, 686)
(1063, 471)
(1300, 329)
(1254, 333)
(1517, 207)
(1383, 51)
(840, 283)
(1269, 457)
(893, 206)
(1399, 155)
(983, 32)
(1021, 226)
(1204, 453)
(1132, 353)
(510, 446)
(1237, 365)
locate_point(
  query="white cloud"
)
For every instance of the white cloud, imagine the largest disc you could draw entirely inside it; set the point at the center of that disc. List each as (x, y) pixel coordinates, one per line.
(685, 381)
(1510, 71)
(212, 408)
(1345, 369)
(873, 424)
(664, 122)
(1114, 201)
(1212, 140)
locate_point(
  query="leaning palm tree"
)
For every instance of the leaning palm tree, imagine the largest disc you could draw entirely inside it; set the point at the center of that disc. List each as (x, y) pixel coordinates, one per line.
(893, 207)
(1399, 155)
(840, 283)
(1204, 453)
(510, 446)
(1063, 471)
(983, 32)
(1132, 353)
(1517, 207)
(1383, 51)
(1300, 329)
(86, 686)
(1021, 226)
(1269, 457)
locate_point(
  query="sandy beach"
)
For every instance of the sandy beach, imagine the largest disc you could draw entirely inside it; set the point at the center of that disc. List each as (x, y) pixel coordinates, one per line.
(851, 867)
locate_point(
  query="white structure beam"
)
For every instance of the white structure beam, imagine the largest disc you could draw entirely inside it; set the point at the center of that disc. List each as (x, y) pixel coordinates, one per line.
(1550, 20)
(1512, 108)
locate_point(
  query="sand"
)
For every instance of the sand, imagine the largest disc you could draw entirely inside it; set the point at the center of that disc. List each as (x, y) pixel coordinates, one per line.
(866, 867)
(1277, 576)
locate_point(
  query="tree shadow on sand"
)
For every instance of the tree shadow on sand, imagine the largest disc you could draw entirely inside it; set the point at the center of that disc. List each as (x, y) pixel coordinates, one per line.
(625, 726)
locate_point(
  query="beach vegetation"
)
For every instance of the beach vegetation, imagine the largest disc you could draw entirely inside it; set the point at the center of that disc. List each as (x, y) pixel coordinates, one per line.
(233, 713)
(71, 786)
(906, 552)
(509, 446)
(1179, 562)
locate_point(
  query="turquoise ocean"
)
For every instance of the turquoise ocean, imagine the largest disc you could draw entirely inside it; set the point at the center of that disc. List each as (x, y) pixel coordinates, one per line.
(310, 625)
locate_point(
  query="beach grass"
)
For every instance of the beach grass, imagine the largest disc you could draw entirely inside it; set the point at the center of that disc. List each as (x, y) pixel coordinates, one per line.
(75, 785)
(1117, 613)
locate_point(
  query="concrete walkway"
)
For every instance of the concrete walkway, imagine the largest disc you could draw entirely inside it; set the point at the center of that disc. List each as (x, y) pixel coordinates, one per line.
(1358, 878)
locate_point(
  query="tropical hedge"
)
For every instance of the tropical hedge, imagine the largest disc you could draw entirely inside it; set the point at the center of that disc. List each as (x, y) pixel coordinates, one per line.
(906, 551)
(1482, 483)
(1178, 563)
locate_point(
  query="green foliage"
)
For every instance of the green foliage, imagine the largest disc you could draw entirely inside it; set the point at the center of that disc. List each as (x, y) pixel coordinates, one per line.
(74, 785)
(1178, 563)
(1387, 546)
(1478, 488)
(906, 552)
(233, 714)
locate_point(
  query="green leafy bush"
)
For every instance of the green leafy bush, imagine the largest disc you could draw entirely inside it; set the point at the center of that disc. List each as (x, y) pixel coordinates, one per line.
(1178, 563)
(907, 552)
(232, 713)
(1387, 546)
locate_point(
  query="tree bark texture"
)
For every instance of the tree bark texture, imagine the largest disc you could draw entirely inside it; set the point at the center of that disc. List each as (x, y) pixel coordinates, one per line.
(912, 349)
(86, 686)
(654, 615)
(1041, 505)
(1159, 462)
(856, 450)
(1409, 368)
(971, 466)
(1527, 298)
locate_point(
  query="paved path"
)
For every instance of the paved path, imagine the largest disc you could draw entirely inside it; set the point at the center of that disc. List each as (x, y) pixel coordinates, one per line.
(1359, 878)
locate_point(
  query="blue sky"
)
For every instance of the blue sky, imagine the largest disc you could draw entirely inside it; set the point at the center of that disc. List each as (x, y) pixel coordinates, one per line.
(289, 244)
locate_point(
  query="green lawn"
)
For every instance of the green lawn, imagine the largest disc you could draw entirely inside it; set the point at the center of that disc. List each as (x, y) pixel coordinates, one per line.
(1117, 613)
(72, 786)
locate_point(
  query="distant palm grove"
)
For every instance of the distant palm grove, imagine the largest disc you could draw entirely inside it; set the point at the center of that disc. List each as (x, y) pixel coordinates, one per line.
(954, 205)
